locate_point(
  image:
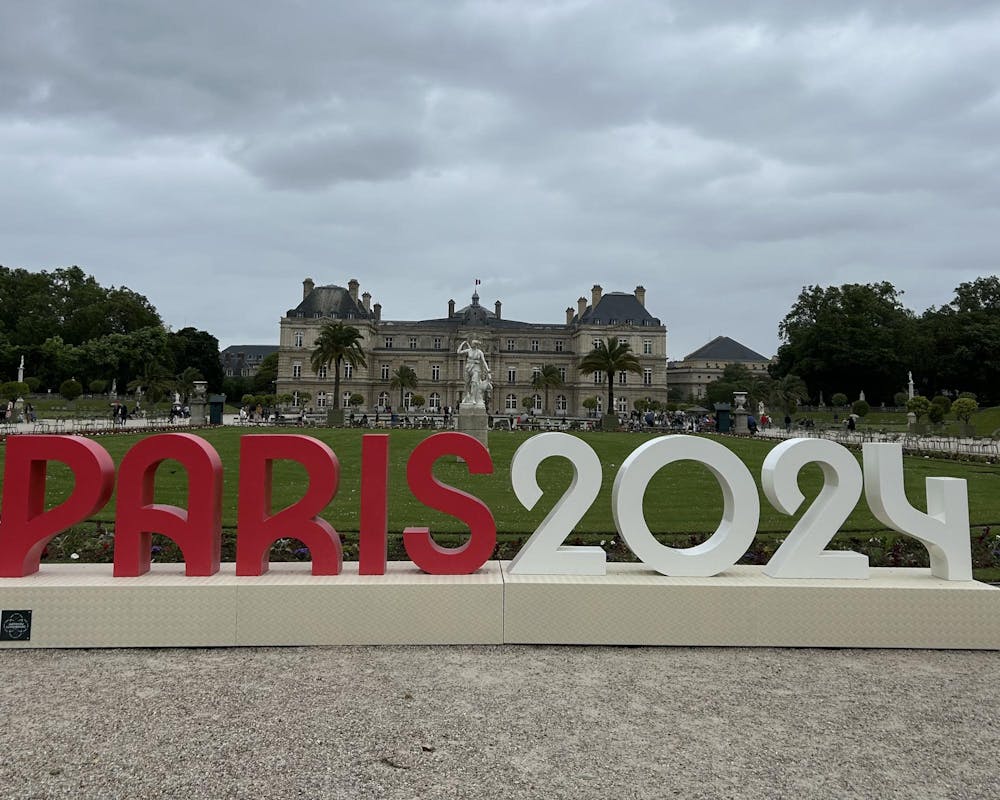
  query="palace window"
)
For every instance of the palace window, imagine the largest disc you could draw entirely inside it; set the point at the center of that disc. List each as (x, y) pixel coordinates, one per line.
(510, 402)
(510, 344)
(321, 400)
(623, 377)
(647, 377)
(562, 374)
(437, 342)
(296, 370)
(435, 372)
(298, 338)
(385, 372)
(511, 375)
(647, 347)
(534, 345)
(388, 343)
(559, 345)
(345, 400)
(434, 402)
(561, 404)
(348, 369)
(322, 372)
(413, 342)
(383, 401)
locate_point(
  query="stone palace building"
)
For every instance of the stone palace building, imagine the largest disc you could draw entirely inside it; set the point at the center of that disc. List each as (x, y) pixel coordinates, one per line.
(515, 351)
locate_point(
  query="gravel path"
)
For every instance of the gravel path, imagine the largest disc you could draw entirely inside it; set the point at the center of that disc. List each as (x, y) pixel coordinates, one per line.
(499, 722)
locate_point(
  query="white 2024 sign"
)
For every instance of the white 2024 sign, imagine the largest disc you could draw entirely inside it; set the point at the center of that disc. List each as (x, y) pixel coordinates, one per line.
(943, 530)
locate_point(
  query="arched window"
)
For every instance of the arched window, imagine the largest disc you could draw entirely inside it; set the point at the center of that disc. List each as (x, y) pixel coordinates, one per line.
(321, 400)
(407, 401)
(561, 403)
(510, 402)
(621, 405)
(383, 400)
(295, 399)
(434, 404)
(346, 400)
(537, 402)
(600, 405)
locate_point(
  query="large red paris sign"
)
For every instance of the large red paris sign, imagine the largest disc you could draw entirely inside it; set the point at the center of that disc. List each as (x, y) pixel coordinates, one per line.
(26, 526)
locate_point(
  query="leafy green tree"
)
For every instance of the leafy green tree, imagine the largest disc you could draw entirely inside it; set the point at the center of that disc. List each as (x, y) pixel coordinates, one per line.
(403, 378)
(34, 384)
(850, 337)
(839, 400)
(963, 408)
(335, 344)
(11, 390)
(900, 398)
(738, 378)
(589, 403)
(935, 413)
(97, 386)
(419, 401)
(70, 389)
(962, 341)
(861, 408)
(357, 400)
(266, 374)
(944, 403)
(609, 357)
(548, 377)
(918, 405)
(199, 350)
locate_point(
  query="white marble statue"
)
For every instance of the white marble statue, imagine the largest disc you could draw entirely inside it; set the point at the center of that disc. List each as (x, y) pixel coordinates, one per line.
(20, 371)
(478, 379)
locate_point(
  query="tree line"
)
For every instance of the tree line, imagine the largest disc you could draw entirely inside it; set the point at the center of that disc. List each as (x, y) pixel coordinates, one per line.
(860, 337)
(68, 327)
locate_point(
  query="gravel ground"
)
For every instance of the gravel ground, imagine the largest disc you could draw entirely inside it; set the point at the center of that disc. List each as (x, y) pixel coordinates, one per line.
(491, 722)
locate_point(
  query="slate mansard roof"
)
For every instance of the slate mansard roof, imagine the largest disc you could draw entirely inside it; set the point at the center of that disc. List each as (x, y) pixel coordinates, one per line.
(616, 308)
(724, 349)
(330, 301)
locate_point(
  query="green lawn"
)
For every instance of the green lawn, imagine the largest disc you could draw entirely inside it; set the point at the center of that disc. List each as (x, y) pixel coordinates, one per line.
(683, 502)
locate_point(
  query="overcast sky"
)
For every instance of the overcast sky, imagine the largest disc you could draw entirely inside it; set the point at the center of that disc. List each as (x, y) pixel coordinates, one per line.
(213, 155)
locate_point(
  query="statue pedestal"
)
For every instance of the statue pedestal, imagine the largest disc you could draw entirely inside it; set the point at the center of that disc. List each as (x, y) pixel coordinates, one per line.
(740, 421)
(475, 421)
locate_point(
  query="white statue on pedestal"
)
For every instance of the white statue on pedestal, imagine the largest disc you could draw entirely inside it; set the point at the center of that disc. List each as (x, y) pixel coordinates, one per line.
(909, 389)
(478, 379)
(20, 371)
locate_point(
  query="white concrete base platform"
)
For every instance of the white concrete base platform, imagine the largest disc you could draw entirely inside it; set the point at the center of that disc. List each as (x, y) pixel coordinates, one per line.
(632, 605)
(82, 605)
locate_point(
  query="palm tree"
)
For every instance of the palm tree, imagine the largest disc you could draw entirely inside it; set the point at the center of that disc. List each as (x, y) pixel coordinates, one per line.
(788, 392)
(610, 357)
(403, 378)
(548, 376)
(155, 382)
(336, 344)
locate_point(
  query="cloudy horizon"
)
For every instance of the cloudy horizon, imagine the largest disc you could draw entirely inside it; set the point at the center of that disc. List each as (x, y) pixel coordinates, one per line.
(723, 156)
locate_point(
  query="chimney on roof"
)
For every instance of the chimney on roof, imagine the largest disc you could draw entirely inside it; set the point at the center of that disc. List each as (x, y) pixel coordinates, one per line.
(378, 311)
(569, 315)
(352, 287)
(581, 308)
(307, 286)
(366, 299)
(640, 295)
(497, 307)
(451, 309)
(595, 295)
